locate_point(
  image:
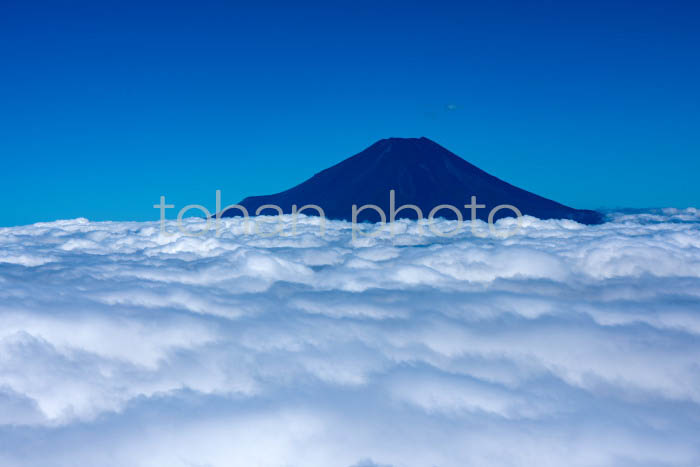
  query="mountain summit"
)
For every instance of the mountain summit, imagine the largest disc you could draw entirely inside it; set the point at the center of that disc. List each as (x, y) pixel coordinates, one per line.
(422, 173)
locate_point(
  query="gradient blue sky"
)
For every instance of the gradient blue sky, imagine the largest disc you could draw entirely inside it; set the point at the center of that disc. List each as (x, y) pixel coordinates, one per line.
(105, 106)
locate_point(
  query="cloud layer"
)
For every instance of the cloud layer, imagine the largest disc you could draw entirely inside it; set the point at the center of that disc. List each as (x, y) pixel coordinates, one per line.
(562, 345)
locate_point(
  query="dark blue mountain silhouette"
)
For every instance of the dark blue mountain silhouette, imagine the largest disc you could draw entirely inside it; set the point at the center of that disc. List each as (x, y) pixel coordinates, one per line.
(422, 173)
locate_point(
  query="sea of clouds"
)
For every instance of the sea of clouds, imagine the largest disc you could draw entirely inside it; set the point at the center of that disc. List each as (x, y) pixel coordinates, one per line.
(563, 345)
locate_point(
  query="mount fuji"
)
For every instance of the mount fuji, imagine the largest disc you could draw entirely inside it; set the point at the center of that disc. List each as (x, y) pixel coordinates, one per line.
(422, 173)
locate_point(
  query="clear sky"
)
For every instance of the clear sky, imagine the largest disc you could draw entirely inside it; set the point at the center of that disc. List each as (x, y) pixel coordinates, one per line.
(105, 106)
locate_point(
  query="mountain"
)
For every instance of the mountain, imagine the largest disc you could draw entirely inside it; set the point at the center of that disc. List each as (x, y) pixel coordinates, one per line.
(422, 173)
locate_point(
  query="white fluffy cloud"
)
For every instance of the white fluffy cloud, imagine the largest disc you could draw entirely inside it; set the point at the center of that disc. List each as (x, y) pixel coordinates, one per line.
(562, 345)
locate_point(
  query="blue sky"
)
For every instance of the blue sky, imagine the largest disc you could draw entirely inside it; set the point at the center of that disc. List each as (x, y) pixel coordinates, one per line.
(106, 106)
